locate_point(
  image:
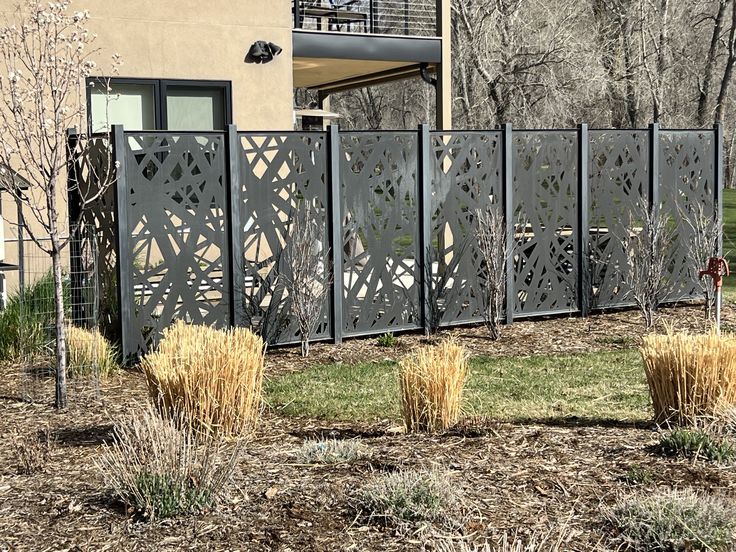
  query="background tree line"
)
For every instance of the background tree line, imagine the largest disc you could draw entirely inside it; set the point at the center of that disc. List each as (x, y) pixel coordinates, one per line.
(555, 63)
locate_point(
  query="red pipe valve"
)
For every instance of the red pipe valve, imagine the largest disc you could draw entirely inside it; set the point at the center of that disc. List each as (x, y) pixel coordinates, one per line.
(717, 269)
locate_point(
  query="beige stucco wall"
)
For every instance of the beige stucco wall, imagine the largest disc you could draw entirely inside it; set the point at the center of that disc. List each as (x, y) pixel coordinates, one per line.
(198, 40)
(195, 39)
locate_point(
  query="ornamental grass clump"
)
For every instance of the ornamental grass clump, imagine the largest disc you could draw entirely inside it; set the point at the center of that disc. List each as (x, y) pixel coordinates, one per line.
(213, 378)
(89, 353)
(431, 383)
(160, 468)
(689, 376)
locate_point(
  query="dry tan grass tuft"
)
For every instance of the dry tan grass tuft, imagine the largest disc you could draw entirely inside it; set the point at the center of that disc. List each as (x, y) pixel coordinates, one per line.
(689, 376)
(431, 382)
(87, 351)
(214, 378)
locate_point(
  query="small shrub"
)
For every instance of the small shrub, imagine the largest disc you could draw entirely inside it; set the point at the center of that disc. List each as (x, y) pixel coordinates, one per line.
(388, 340)
(161, 471)
(213, 378)
(87, 351)
(673, 521)
(432, 382)
(697, 443)
(410, 497)
(536, 542)
(27, 319)
(638, 475)
(689, 376)
(32, 452)
(331, 451)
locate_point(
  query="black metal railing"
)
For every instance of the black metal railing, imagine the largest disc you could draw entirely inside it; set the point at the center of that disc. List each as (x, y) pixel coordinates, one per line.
(391, 17)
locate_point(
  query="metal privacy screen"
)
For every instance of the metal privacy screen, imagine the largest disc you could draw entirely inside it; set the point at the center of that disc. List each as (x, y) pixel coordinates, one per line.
(197, 223)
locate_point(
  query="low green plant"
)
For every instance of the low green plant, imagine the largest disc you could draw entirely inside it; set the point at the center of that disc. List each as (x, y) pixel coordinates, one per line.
(331, 451)
(410, 497)
(161, 471)
(638, 475)
(388, 340)
(697, 443)
(672, 521)
(27, 318)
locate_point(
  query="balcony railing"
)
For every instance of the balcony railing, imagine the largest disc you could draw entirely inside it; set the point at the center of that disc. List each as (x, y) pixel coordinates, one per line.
(389, 17)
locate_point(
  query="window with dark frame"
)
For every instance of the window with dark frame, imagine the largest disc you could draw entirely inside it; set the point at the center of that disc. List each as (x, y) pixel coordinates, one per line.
(159, 104)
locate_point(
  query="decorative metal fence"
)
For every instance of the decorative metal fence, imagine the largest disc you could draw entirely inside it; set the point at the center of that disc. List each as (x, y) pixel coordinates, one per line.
(197, 223)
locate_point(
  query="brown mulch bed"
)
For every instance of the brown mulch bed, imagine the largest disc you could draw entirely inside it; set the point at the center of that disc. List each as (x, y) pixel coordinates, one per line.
(552, 335)
(516, 477)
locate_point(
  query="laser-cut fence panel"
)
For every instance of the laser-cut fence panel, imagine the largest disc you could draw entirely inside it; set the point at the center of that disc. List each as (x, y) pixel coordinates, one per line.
(378, 175)
(619, 182)
(94, 168)
(279, 173)
(687, 180)
(545, 191)
(184, 230)
(466, 176)
(176, 213)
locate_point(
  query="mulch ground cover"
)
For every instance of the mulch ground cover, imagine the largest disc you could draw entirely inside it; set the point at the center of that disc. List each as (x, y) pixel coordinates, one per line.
(516, 477)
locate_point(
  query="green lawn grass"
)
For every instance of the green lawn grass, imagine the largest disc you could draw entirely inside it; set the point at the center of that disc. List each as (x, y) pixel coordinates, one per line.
(598, 387)
(729, 240)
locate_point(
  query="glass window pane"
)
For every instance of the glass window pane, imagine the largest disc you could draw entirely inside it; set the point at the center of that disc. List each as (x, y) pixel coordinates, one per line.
(131, 105)
(195, 108)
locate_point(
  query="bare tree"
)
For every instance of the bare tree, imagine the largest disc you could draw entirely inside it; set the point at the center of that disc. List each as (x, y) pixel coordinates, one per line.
(440, 271)
(307, 278)
(705, 233)
(648, 245)
(493, 247)
(46, 56)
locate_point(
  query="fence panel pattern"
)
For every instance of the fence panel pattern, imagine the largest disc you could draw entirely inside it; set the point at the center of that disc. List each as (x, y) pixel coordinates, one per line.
(279, 173)
(176, 213)
(545, 191)
(89, 170)
(465, 177)
(619, 186)
(687, 192)
(207, 217)
(378, 175)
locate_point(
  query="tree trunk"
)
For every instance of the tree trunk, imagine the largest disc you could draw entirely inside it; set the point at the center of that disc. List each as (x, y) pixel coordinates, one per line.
(61, 400)
(728, 70)
(710, 63)
(305, 347)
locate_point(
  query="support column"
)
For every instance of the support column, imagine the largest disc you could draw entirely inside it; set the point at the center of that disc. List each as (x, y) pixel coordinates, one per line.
(324, 104)
(444, 69)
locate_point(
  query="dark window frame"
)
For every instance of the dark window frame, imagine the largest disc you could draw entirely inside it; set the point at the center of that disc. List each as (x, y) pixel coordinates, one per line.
(160, 87)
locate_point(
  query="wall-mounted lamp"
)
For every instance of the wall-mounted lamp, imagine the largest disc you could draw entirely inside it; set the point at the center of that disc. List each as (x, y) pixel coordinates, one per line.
(262, 52)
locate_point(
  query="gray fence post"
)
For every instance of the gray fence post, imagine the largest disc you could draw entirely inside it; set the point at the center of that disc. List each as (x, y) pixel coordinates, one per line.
(654, 199)
(335, 229)
(583, 237)
(75, 219)
(718, 183)
(507, 178)
(236, 270)
(122, 242)
(424, 205)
